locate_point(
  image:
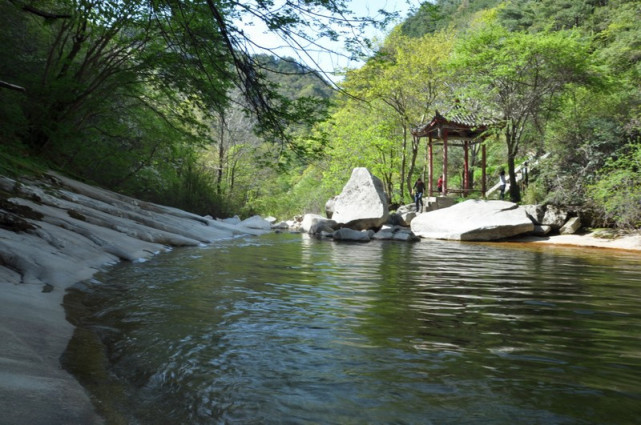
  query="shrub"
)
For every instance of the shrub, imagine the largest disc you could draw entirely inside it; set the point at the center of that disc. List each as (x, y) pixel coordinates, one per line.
(616, 195)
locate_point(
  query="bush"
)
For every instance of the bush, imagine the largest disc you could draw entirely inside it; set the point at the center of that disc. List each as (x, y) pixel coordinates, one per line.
(616, 195)
(535, 193)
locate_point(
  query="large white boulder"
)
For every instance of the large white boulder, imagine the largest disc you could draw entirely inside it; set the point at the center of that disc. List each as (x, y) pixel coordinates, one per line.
(473, 221)
(362, 204)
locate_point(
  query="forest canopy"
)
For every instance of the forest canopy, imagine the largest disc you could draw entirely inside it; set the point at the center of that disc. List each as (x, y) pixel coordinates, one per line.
(171, 102)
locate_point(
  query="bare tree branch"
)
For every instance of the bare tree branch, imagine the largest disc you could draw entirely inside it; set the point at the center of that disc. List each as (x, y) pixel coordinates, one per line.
(5, 85)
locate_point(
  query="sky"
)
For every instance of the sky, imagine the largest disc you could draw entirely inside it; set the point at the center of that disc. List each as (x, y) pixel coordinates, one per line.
(330, 57)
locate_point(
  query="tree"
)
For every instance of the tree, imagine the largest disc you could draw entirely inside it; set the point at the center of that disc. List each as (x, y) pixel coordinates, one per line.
(518, 77)
(361, 136)
(405, 81)
(90, 48)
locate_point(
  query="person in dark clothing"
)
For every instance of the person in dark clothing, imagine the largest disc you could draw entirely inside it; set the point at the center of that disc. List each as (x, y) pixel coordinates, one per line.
(419, 188)
(503, 184)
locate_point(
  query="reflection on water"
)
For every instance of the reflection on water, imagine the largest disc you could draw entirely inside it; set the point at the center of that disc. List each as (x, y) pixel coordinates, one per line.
(287, 329)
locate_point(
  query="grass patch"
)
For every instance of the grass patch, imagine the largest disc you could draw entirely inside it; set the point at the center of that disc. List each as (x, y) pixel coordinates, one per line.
(15, 161)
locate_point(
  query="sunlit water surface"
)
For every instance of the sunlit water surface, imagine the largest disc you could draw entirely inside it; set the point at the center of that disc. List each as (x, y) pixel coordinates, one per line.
(284, 329)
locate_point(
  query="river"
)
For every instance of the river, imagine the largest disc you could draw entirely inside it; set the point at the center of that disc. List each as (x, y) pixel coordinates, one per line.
(286, 329)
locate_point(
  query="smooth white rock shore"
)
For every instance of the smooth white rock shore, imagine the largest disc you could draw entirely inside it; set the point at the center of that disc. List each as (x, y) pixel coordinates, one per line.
(68, 231)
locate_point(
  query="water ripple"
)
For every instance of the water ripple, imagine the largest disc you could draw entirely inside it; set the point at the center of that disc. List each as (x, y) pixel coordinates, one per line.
(284, 329)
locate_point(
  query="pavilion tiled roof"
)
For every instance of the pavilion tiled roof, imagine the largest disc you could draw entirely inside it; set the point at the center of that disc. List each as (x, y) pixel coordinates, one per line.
(456, 121)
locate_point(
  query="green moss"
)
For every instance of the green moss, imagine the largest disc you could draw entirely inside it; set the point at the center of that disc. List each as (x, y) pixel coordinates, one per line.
(607, 233)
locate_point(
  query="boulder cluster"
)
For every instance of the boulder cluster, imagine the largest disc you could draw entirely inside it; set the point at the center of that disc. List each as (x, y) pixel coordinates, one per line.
(360, 213)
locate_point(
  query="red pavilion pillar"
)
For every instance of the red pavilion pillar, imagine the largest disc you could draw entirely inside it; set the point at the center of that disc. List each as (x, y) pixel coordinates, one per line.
(445, 162)
(483, 177)
(430, 167)
(466, 170)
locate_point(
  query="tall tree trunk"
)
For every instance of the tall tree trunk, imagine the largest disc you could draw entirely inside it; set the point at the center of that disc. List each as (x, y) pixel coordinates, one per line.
(515, 193)
(221, 154)
(403, 164)
(410, 171)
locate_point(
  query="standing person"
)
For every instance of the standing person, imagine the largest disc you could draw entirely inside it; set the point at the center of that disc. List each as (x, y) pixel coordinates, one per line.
(419, 188)
(502, 183)
(524, 175)
(439, 184)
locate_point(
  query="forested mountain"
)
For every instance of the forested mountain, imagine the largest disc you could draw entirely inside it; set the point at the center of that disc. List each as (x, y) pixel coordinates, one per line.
(439, 15)
(163, 100)
(293, 79)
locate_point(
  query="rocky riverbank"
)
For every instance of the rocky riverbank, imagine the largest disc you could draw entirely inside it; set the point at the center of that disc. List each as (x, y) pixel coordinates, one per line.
(55, 232)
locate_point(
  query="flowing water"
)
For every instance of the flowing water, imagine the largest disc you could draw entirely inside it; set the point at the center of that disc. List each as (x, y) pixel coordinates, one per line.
(284, 329)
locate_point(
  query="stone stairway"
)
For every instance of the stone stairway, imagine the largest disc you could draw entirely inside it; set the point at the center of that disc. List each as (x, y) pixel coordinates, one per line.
(531, 163)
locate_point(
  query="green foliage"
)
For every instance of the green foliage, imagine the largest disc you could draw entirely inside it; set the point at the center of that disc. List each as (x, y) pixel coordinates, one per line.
(555, 15)
(300, 193)
(585, 132)
(427, 19)
(535, 193)
(184, 184)
(292, 79)
(619, 38)
(520, 78)
(434, 16)
(15, 161)
(616, 195)
(401, 86)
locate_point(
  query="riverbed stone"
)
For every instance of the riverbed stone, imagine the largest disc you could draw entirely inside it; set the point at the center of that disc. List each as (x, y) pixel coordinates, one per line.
(323, 226)
(536, 212)
(231, 220)
(310, 220)
(541, 230)
(571, 226)
(256, 222)
(282, 225)
(347, 234)
(363, 203)
(555, 217)
(406, 213)
(399, 233)
(473, 220)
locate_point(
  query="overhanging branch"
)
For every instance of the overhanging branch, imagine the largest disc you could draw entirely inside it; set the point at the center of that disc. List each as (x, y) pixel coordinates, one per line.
(5, 85)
